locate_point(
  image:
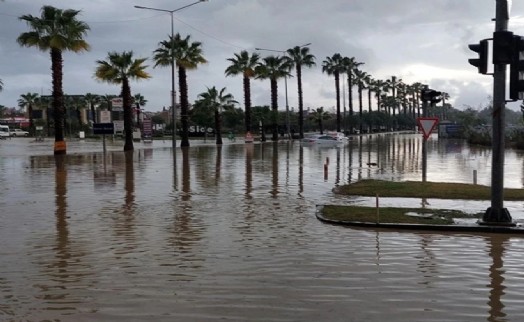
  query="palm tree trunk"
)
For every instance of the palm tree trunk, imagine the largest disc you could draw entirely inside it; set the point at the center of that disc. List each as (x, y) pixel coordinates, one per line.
(300, 103)
(184, 106)
(128, 115)
(247, 103)
(31, 123)
(58, 101)
(360, 107)
(93, 114)
(274, 108)
(337, 88)
(218, 127)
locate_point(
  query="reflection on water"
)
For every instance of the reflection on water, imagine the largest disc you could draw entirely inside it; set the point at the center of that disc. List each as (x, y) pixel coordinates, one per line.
(228, 233)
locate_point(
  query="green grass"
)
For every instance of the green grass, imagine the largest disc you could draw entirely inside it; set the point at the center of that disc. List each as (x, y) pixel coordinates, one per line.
(411, 189)
(394, 215)
(416, 189)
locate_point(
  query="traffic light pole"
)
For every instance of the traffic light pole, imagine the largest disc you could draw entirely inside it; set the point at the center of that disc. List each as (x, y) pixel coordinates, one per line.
(497, 214)
(425, 107)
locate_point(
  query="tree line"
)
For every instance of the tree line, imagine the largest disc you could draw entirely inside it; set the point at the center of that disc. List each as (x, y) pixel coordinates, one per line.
(397, 103)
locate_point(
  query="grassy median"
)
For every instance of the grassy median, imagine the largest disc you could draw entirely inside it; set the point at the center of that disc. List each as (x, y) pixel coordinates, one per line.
(416, 189)
(411, 189)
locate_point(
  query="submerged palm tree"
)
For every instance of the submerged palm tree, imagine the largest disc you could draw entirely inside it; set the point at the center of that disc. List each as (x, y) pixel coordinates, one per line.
(187, 56)
(56, 30)
(28, 101)
(273, 68)
(334, 66)
(298, 57)
(120, 69)
(217, 101)
(244, 64)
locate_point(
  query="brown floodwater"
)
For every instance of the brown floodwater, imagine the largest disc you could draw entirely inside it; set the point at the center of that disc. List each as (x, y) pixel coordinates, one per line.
(229, 234)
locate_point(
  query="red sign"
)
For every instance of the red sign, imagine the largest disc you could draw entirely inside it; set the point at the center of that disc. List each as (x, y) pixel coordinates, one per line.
(427, 125)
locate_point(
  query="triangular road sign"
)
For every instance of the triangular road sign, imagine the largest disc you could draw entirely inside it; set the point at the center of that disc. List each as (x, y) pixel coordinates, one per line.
(427, 124)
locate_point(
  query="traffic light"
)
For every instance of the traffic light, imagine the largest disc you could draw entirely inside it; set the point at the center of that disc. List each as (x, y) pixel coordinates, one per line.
(516, 67)
(431, 95)
(435, 97)
(482, 62)
(503, 47)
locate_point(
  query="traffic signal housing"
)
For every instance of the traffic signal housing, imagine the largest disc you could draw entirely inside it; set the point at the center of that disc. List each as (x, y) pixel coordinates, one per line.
(516, 78)
(431, 95)
(482, 61)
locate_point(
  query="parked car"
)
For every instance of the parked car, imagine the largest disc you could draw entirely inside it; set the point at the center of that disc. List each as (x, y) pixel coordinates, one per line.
(19, 132)
(4, 132)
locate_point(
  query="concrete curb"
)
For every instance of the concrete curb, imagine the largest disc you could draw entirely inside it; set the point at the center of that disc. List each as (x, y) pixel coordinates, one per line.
(518, 230)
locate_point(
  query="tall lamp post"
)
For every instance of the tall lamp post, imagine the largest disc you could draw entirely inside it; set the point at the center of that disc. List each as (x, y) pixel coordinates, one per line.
(173, 65)
(285, 86)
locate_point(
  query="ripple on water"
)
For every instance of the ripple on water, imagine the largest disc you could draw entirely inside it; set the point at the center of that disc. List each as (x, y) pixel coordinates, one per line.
(230, 234)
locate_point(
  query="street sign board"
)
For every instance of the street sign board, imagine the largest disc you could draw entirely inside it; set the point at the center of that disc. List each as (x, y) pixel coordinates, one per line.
(105, 116)
(117, 104)
(147, 127)
(103, 128)
(427, 125)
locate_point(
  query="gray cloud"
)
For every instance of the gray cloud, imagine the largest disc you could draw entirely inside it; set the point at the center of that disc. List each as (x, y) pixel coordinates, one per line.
(414, 40)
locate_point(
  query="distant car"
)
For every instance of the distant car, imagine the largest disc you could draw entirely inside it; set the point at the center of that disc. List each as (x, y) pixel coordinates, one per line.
(19, 132)
(331, 138)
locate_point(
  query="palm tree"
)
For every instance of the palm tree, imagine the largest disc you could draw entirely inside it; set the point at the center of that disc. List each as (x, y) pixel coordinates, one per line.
(92, 100)
(56, 30)
(217, 101)
(244, 64)
(445, 96)
(378, 87)
(187, 56)
(417, 87)
(334, 66)
(360, 79)
(273, 68)
(139, 101)
(318, 116)
(107, 101)
(349, 66)
(28, 101)
(298, 57)
(72, 104)
(119, 69)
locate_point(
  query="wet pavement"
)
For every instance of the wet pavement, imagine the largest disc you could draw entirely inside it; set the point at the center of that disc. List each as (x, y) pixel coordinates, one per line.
(230, 234)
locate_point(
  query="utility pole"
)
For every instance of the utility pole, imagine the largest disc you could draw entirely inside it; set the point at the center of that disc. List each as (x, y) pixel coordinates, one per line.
(497, 214)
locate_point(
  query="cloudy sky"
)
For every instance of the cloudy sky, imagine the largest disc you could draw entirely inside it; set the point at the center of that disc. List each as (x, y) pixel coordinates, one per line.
(416, 40)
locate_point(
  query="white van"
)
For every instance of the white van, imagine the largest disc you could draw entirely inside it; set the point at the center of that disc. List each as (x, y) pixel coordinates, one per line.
(4, 132)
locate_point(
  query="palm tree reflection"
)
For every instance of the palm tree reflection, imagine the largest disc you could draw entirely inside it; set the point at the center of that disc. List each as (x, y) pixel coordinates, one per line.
(496, 270)
(274, 172)
(249, 170)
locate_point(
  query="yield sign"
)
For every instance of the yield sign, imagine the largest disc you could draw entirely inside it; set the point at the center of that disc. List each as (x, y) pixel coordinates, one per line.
(427, 124)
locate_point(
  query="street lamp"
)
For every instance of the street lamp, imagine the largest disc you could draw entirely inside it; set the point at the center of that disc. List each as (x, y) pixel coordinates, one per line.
(173, 91)
(285, 85)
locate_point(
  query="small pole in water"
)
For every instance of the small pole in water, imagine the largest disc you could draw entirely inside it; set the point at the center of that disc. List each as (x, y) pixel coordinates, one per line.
(326, 171)
(104, 143)
(378, 211)
(474, 176)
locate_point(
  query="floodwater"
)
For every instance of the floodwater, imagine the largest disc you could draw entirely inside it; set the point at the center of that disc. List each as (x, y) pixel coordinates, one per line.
(229, 234)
